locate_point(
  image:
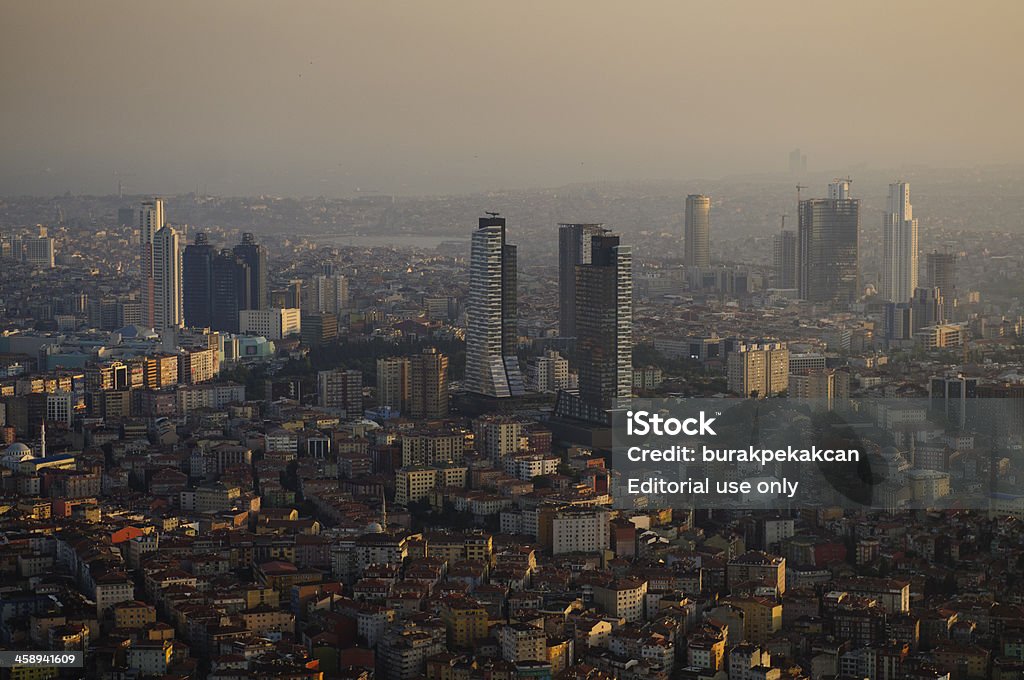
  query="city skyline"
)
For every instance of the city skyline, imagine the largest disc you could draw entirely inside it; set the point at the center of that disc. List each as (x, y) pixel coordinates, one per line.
(511, 341)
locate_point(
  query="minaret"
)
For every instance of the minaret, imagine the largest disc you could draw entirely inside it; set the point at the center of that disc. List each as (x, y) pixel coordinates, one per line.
(384, 511)
(42, 440)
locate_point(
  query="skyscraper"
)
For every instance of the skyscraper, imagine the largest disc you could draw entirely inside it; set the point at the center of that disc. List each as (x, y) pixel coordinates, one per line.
(828, 246)
(797, 162)
(492, 367)
(604, 292)
(255, 257)
(167, 279)
(697, 244)
(604, 325)
(927, 308)
(573, 249)
(899, 246)
(785, 260)
(151, 220)
(197, 282)
(229, 280)
(940, 271)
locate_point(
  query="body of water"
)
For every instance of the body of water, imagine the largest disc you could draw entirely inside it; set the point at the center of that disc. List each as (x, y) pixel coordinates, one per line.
(395, 240)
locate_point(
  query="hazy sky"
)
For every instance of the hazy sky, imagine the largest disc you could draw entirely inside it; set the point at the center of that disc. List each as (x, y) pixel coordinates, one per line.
(311, 98)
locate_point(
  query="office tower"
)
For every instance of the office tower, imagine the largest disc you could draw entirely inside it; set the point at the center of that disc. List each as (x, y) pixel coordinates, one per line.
(492, 367)
(573, 249)
(38, 250)
(604, 332)
(899, 246)
(940, 272)
(166, 279)
(758, 369)
(784, 247)
(927, 308)
(341, 389)
(697, 246)
(151, 220)
(126, 217)
(428, 385)
(197, 282)
(327, 293)
(271, 323)
(797, 162)
(230, 284)
(948, 395)
(255, 257)
(319, 328)
(293, 299)
(899, 321)
(828, 246)
(393, 383)
(60, 408)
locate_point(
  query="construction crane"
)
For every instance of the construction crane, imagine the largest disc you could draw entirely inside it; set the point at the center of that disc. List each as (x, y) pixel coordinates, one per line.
(782, 215)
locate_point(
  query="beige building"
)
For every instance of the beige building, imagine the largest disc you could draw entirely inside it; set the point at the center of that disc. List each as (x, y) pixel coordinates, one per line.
(393, 383)
(428, 385)
(759, 569)
(416, 483)
(623, 598)
(272, 324)
(761, 368)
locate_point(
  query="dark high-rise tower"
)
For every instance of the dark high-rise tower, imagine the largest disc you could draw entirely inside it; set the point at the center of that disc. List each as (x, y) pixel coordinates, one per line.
(828, 246)
(604, 325)
(230, 278)
(697, 245)
(197, 282)
(785, 259)
(255, 257)
(492, 367)
(573, 249)
(940, 272)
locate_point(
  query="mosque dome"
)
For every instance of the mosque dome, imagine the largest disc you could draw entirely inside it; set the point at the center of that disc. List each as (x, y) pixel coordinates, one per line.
(17, 449)
(15, 454)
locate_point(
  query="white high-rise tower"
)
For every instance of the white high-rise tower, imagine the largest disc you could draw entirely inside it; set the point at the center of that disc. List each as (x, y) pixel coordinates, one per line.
(899, 246)
(151, 220)
(492, 367)
(167, 289)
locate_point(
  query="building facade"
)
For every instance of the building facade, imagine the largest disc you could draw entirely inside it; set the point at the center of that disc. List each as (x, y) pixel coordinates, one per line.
(899, 246)
(828, 246)
(492, 367)
(697, 239)
(573, 249)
